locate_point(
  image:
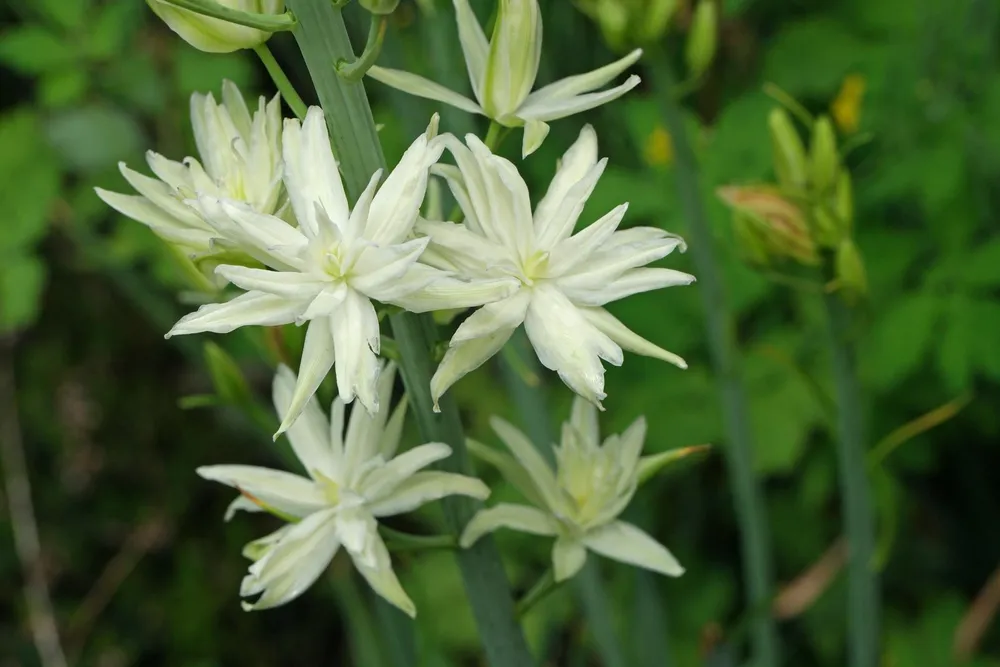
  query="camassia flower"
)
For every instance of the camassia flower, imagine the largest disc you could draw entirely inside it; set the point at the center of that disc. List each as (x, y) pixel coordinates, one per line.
(564, 280)
(216, 35)
(580, 501)
(503, 71)
(354, 478)
(242, 161)
(327, 270)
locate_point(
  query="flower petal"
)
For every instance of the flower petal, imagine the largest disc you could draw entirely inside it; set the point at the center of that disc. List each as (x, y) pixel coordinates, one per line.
(388, 442)
(357, 341)
(286, 284)
(606, 266)
(633, 281)
(555, 223)
(311, 174)
(576, 251)
(514, 53)
(583, 419)
(371, 557)
(268, 239)
(424, 487)
(568, 558)
(252, 308)
(365, 429)
(493, 317)
(535, 132)
(449, 293)
(318, 354)
(379, 269)
(421, 87)
(475, 48)
(507, 515)
(549, 109)
(628, 339)
(382, 481)
(309, 435)
(464, 358)
(163, 224)
(584, 83)
(530, 458)
(284, 491)
(241, 503)
(626, 543)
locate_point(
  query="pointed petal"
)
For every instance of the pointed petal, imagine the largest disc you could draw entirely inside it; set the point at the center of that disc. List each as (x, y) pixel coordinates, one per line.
(388, 442)
(309, 435)
(448, 293)
(530, 458)
(514, 53)
(634, 281)
(493, 317)
(286, 284)
(549, 109)
(378, 271)
(317, 359)
(568, 557)
(535, 132)
(626, 543)
(558, 221)
(266, 238)
(359, 533)
(357, 341)
(163, 224)
(609, 264)
(583, 419)
(421, 87)
(424, 487)
(236, 107)
(464, 358)
(362, 208)
(365, 430)
(509, 221)
(252, 308)
(576, 251)
(382, 481)
(241, 504)
(628, 339)
(632, 440)
(311, 174)
(512, 471)
(162, 196)
(584, 83)
(288, 493)
(475, 48)
(506, 515)
(477, 255)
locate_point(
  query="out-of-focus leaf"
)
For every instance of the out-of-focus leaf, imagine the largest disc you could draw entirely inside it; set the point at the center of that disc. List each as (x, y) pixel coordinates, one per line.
(111, 30)
(136, 81)
(29, 180)
(22, 278)
(32, 49)
(198, 72)
(734, 154)
(91, 138)
(227, 376)
(981, 268)
(954, 346)
(63, 88)
(827, 45)
(900, 339)
(985, 340)
(69, 14)
(888, 497)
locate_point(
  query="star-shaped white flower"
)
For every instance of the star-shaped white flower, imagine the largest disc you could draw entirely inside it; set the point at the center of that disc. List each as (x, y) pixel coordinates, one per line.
(242, 161)
(580, 501)
(564, 279)
(354, 478)
(503, 70)
(327, 270)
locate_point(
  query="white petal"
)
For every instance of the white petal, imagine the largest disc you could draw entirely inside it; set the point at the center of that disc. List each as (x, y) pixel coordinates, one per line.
(384, 480)
(584, 83)
(286, 492)
(576, 251)
(576, 162)
(236, 107)
(374, 564)
(252, 308)
(286, 284)
(449, 293)
(421, 87)
(464, 358)
(605, 266)
(294, 563)
(266, 238)
(166, 226)
(309, 435)
(568, 557)
(173, 173)
(628, 339)
(632, 440)
(325, 303)
(357, 340)
(424, 487)
(535, 132)
(530, 458)
(583, 418)
(161, 195)
(475, 48)
(634, 281)
(378, 270)
(478, 189)
(512, 63)
(311, 174)
(493, 317)
(560, 219)
(317, 358)
(567, 343)
(364, 432)
(509, 220)
(549, 109)
(362, 208)
(624, 542)
(241, 504)
(388, 442)
(506, 515)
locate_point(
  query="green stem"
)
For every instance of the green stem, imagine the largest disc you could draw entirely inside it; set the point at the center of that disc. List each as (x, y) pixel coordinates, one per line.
(268, 22)
(493, 135)
(399, 541)
(749, 504)
(323, 39)
(354, 71)
(285, 86)
(545, 585)
(855, 496)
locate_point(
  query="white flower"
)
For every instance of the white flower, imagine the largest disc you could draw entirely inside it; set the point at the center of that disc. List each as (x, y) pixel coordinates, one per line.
(242, 161)
(579, 503)
(503, 71)
(354, 478)
(564, 279)
(327, 270)
(215, 35)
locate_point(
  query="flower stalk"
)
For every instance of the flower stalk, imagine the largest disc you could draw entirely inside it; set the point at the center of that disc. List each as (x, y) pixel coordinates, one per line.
(323, 39)
(545, 585)
(281, 81)
(354, 71)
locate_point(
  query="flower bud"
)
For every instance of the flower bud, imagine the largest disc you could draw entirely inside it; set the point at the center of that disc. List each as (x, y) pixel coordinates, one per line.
(789, 152)
(844, 202)
(227, 377)
(850, 269)
(824, 163)
(702, 40)
(827, 230)
(651, 21)
(512, 62)
(214, 35)
(777, 222)
(380, 7)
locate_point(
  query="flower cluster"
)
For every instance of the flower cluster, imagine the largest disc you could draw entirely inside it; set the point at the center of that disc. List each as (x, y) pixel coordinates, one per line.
(266, 202)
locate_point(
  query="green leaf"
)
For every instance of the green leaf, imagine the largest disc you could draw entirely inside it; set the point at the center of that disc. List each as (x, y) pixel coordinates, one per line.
(954, 360)
(32, 49)
(68, 14)
(22, 278)
(982, 267)
(96, 137)
(735, 153)
(137, 82)
(227, 376)
(900, 339)
(29, 180)
(649, 466)
(985, 336)
(112, 29)
(827, 46)
(63, 88)
(197, 72)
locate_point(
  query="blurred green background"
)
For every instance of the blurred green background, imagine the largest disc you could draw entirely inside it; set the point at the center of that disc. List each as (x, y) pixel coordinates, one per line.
(141, 567)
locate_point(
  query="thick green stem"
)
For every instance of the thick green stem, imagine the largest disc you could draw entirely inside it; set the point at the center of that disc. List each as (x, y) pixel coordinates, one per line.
(281, 81)
(725, 359)
(323, 39)
(268, 22)
(855, 496)
(399, 541)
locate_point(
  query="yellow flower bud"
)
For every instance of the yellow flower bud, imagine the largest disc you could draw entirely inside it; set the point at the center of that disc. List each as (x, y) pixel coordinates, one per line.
(789, 152)
(779, 223)
(824, 161)
(702, 40)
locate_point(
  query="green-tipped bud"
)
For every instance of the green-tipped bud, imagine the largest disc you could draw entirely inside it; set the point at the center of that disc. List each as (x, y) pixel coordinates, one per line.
(216, 35)
(652, 22)
(824, 163)
(380, 7)
(850, 270)
(844, 202)
(827, 228)
(750, 238)
(789, 151)
(227, 377)
(766, 216)
(702, 40)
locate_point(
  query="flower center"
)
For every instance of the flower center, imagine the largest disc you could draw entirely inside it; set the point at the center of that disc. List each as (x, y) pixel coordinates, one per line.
(534, 268)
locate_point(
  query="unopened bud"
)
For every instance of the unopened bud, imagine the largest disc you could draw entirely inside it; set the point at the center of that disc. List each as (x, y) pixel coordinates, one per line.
(780, 223)
(750, 238)
(850, 269)
(380, 7)
(824, 162)
(844, 202)
(827, 229)
(652, 21)
(227, 377)
(216, 35)
(789, 152)
(702, 40)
